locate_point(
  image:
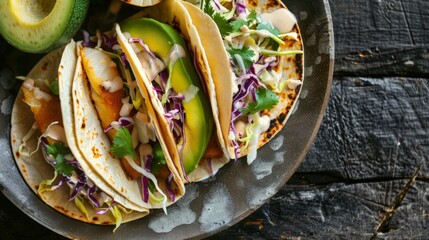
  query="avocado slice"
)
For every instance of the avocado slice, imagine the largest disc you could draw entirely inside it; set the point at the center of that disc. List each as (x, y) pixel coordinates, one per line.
(160, 38)
(41, 26)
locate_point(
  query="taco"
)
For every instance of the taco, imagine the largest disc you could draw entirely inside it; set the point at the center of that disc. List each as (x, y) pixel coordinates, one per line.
(162, 47)
(254, 53)
(117, 127)
(46, 153)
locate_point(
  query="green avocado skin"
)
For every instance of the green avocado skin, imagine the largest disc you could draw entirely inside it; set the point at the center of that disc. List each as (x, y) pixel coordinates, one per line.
(76, 17)
(160, 38)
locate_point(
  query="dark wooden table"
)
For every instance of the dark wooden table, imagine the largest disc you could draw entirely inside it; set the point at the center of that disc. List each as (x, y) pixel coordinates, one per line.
(367, 174)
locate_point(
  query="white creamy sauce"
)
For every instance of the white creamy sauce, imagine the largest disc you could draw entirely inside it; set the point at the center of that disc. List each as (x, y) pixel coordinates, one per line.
(258, 195)
(7, 105)
(263, 123)
(231, 136)
(176, 52)
(295, 107)
(218, 208)
(292, 35)
(259, 68)
(126, 107)
(282, 19)
(308, 71)
(101, 197)
(276, 143)
(293, 83)
(318, 60)
(41, 95)
(190, 93)
(116, 125)
(28, 84)
(151, 66)
(114, 84)
(264, 167)
(304, 94)
(178, 214)
(56, 132)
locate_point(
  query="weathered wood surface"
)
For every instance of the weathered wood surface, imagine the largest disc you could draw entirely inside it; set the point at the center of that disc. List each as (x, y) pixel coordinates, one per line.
(353, 183)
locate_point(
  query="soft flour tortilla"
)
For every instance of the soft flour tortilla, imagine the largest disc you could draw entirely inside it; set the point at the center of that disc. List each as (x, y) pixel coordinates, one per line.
(95, 144)
(218, 62)
(173, 13)
(68, 71)
(35, 169)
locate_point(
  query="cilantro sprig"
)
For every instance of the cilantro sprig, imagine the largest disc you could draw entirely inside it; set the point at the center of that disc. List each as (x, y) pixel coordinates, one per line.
(245, 53)
(158, 159)
(265, 99)
(59, 151)
(123, 144)
(250, 21)
(224, 27)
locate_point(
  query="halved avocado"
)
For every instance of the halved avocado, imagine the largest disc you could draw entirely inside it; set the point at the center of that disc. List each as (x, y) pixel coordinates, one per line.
(41, 26)
(160, 38)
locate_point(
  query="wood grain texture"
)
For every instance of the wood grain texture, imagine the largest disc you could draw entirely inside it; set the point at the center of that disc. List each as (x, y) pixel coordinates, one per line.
(377, 129)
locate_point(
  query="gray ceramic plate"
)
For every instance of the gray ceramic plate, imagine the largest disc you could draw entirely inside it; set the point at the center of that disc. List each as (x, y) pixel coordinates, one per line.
(238, 189)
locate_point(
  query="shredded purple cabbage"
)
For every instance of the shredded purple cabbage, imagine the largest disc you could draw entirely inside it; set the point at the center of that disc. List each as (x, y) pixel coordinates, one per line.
(145, 189)
(248, 86)
(236, 145)
(109, 41)
(240, 7)
(217, 5)
(164, 74)
(169, 190)
(81, 182)
(86, 42)
(145, 180)
(125, 61)
(89, 194)
(123, 122)
(104, 211)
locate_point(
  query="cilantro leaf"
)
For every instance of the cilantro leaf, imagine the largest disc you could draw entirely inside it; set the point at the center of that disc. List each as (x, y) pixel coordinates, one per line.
(57, 148)
(252, 17)
(268, 26)
(59, 151)
(265, 99)
(123, 144)
(224, 27)
(158, 159)
(237, 24)
(208, 8)
(245, 53)
(63, 167)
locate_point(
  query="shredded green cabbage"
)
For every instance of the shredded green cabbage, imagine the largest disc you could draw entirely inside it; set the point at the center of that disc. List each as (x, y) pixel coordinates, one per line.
(46, 185)
(23, 148)
(249, 135)
(81, 206)
(117, 215)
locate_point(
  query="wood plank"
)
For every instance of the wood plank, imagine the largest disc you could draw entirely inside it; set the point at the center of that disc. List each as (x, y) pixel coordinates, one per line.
(366, 24)
(337, 211)
(381, 62)
(374, 128)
